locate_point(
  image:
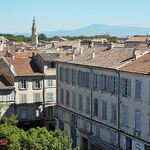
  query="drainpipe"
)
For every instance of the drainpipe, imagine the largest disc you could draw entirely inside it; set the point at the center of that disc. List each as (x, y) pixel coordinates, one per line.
(119, 102)
(44, 111)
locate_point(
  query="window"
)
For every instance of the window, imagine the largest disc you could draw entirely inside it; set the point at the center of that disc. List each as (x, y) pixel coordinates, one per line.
(114, 113)
(49, 82)
(80, 102)
(23, 114)
(61, 74)
(50, 111)
(95, 107)
(10, 96)
(50, 96)
(87, 104)
(62, 96)
(23, 84)
(113, 84)
(67, 75)
(104, 82)
(95, 81)
(23, 98)
(138, 90)
(79, 78)
(37, 113)
(137, 120)
(125, 116)
(73, 99)
(125, 87)
(104, 110)
(50, 65)
(67, 97)
(73, 76)
(36, 97)
(86, 79)
(1, 95)
(37, 84)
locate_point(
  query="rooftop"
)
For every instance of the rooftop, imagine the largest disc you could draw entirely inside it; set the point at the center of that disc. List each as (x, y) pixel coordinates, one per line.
(5, 84)
(49, 56)
(140, 65)
(25, 67)
(104, 57)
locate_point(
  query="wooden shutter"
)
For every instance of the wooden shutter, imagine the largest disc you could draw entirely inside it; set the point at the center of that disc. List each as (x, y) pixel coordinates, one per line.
(129, 87)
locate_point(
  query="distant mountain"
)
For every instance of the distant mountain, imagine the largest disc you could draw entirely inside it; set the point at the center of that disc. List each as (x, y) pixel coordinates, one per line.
(98, 29)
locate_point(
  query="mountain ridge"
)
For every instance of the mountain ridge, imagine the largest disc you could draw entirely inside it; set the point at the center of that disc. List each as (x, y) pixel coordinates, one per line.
(97, 29)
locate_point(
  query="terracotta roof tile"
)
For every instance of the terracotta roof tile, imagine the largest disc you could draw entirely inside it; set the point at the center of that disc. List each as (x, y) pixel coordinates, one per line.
(25, 67)
(140, 65)
(104, 57)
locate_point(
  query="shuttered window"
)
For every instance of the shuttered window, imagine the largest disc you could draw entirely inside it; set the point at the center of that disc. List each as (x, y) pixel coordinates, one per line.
(104, 83)
(125, 116)
(80, 102)
(62, 96)
(73, 99)
(50, 111)
(23, 98)
(95, 81)
(36, 97)
(50, 96)
(61, 73)
(95, 107)
(114, 113)
(137, 120)
(68, 97)
(104, 110)
(49, 82)
(73, 76)
(138, 89)
(23, 84)
(125, 87)
(87, 104)
(67, 75)
(37, 84)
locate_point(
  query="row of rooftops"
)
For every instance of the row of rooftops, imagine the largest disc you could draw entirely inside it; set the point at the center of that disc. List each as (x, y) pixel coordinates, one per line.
(122, 59)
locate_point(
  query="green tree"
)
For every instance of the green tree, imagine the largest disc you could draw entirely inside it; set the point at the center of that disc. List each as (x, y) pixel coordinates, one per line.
(34, 139)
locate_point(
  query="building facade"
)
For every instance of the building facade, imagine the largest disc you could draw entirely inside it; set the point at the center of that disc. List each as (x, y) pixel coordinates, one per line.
(96, 100)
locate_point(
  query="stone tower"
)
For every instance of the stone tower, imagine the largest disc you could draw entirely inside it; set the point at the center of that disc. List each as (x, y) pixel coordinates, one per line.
(34, 34)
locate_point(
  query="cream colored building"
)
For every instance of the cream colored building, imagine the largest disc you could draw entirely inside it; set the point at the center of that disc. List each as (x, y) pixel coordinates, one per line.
(93, 94)
(45, 61)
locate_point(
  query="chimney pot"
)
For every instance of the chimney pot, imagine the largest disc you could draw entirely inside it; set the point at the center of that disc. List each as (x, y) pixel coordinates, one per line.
(92, 55)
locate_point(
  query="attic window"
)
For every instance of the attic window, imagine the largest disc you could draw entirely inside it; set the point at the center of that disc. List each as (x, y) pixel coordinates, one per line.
(51, 65)
(146, 60)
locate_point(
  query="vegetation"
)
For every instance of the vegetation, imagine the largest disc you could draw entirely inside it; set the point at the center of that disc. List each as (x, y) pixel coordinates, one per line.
(34, 139)
(17, 38)
(21, 38)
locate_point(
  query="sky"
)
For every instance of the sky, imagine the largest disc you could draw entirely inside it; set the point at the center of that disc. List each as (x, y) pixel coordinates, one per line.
(16, 15)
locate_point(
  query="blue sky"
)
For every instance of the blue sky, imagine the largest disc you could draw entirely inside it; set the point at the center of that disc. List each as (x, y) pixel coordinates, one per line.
(16, 15)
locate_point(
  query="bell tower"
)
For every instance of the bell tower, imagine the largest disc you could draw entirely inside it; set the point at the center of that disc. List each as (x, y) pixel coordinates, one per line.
(34, 34)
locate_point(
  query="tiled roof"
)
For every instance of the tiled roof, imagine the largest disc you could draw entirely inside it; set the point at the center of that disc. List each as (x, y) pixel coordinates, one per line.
(4, 83)
(140, 65)
(104, 57)
(49, 56)
(137, 39)
(25, 67)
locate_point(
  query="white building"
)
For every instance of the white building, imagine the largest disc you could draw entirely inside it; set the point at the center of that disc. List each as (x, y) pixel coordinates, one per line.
(95, 99)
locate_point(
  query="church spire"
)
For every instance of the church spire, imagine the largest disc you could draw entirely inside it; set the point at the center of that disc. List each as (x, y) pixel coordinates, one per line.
(34, 33)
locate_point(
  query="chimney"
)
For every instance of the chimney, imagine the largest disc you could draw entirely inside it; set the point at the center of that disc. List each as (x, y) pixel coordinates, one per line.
(33, 54)
(60, 55)
(136, 53)
(81, 50)
(111, 45)
(73, 56)
(92, 55)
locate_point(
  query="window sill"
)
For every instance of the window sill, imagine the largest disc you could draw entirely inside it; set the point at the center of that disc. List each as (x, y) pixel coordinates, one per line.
(37, 88)
(49, 101)
(23, 89)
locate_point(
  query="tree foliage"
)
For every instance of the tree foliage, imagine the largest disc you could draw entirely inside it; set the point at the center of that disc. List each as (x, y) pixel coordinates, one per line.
(34, 139)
